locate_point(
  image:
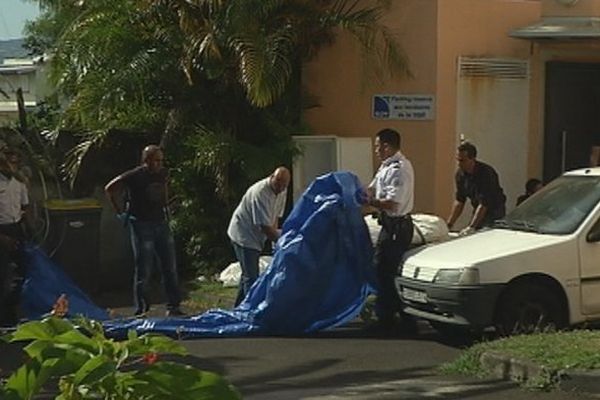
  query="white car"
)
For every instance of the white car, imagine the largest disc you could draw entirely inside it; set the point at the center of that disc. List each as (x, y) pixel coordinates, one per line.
(537, 268)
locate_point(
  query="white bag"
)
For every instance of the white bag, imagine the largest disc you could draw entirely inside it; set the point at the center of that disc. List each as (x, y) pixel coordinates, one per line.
(428, 229)
(231, 275)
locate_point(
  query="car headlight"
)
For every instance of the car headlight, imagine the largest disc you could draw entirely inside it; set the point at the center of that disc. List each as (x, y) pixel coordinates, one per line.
(457, 276)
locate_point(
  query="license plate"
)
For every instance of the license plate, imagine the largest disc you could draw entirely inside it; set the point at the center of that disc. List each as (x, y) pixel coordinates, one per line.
(414, 295)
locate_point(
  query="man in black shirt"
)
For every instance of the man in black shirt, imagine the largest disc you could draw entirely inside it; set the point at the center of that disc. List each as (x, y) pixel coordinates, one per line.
(478, 182)
(145, 213)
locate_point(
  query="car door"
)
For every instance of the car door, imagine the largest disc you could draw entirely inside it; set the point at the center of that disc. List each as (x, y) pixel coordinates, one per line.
(589, 250)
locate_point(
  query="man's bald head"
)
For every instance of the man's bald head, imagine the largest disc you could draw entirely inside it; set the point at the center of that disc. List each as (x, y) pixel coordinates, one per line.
(280, 179)
(152, 157)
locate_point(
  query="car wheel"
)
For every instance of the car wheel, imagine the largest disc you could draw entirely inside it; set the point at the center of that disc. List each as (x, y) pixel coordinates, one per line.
(528, 308)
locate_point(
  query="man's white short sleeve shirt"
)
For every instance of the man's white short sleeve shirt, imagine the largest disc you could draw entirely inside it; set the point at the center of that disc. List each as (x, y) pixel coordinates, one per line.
(259, 206)
(13, 197)
(394, 181)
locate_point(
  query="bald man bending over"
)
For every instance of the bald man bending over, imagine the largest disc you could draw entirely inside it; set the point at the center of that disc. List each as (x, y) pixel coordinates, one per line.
(254, 221)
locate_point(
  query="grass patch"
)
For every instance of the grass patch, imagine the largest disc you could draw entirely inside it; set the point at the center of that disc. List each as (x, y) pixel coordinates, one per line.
(203, 296)
(579, 349)
(467, 363)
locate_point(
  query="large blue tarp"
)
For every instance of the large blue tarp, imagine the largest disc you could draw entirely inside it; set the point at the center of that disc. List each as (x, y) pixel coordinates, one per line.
(45, 282)
(320, 276)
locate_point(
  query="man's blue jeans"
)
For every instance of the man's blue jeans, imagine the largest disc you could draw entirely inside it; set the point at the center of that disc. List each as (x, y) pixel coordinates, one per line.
(248, 259)
(148, 240)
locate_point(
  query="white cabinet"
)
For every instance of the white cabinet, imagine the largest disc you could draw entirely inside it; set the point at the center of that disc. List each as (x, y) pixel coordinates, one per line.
(323, 154)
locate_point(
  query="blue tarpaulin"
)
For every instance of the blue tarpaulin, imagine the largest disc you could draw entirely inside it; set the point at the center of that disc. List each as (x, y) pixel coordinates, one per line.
(45, 282)
(319, 278)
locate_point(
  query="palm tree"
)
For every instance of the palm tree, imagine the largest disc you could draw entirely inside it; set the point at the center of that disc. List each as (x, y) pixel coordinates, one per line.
(218, 79)
(169, 64)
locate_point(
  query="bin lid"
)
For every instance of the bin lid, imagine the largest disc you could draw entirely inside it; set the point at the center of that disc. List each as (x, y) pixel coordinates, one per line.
(72, 204)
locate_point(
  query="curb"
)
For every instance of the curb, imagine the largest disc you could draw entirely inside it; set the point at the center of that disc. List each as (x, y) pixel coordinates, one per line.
(581, 380)
(504, 367)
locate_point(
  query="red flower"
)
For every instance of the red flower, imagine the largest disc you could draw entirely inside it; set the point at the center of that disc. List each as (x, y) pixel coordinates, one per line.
(61, 306)
(150, 358)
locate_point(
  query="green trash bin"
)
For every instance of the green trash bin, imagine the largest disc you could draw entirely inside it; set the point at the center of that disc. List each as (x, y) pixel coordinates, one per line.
(73, 239)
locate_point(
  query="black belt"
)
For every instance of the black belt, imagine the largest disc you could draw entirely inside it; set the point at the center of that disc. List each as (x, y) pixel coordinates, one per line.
(395, 218)
(14, 230)
(11, 224)
(390, 222)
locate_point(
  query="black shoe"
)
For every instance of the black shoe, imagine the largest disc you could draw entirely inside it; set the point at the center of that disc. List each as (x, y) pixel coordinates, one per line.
(142, 313)
(408, 325)
(175, 312)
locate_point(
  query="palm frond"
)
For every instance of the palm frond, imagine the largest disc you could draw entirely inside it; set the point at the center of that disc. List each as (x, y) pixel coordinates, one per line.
(265, 65)
(212, 155)
(75, 157)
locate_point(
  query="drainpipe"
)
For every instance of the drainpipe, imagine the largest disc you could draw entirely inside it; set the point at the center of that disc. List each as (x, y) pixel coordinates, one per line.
(21, 108)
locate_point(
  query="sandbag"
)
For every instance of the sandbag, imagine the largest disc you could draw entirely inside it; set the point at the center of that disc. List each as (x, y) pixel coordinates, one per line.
(427, 229)
(231, 275)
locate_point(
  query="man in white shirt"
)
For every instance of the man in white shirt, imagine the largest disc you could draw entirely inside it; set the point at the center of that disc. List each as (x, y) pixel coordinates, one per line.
(254, 221)
(392, 193)
(14, 201)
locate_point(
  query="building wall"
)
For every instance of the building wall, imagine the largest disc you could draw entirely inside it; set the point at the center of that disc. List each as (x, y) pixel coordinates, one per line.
(345, 98)
(33, 83)
(433, 33)
(577, 51)
(485, 36)
(569, 51)
(580, 8)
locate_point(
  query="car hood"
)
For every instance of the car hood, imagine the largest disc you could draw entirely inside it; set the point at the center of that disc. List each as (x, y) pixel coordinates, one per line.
(480, 247)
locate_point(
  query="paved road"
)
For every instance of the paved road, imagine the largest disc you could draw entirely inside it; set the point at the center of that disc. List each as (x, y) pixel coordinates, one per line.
(347, 364)
(344, 364)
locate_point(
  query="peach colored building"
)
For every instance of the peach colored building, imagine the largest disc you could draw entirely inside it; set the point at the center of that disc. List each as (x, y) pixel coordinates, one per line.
(470, 79)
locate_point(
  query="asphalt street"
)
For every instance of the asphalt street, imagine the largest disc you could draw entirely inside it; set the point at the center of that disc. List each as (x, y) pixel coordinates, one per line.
(349, 364)
(346, 363)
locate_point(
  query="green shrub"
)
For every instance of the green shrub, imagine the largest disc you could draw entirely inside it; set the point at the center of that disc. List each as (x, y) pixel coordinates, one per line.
(79, 362)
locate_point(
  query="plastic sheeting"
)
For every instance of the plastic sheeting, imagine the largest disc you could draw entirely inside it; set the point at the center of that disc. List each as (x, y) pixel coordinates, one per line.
(45, 281)
(427, 229)
(320, 276)
(232, 275)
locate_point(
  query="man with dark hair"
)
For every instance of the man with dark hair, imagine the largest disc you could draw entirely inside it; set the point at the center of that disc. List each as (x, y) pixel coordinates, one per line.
(531, 186)
(478, 182)
(146, 215)
(391, 192)
(254, 221)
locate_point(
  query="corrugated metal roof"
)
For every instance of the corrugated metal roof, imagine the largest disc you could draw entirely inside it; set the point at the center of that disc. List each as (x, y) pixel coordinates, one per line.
(11, 106)
(16, 69)
(560, 28)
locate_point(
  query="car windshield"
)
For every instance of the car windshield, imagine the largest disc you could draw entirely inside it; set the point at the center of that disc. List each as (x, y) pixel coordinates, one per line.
(559, 208)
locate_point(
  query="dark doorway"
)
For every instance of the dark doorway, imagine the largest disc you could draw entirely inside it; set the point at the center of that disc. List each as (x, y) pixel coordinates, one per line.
(572, 116)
